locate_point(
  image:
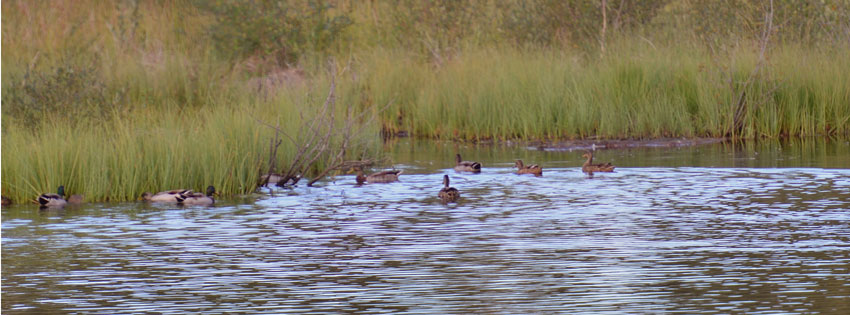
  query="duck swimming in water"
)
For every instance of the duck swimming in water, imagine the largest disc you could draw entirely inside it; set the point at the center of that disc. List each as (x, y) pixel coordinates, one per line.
(197, 199)
(466, 166)
(533, 169)
(589, 167)
(448, 194)
(57, 200)
(169, 196)
(379, 177)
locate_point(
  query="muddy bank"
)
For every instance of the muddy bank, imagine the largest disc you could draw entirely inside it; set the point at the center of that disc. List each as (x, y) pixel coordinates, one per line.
(581, 144)
(591, 144)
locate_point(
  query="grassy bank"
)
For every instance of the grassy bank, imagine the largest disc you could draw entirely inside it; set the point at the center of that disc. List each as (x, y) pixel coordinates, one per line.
(153, 149)
(115, 98)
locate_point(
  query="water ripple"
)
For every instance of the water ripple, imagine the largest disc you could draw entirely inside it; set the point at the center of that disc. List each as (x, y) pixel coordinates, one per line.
(640, 240)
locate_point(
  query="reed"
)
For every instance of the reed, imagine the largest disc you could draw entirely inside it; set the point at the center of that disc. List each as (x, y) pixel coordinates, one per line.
(153, 149)
(635, 91)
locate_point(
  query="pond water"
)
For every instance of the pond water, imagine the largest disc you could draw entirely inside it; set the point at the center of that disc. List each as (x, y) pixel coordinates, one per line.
(715, 229)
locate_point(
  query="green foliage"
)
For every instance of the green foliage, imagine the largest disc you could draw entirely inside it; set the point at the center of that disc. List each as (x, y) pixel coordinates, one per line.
(717, 22)
(553, 22)
(635, 92)
(69, 92)
(284, 30)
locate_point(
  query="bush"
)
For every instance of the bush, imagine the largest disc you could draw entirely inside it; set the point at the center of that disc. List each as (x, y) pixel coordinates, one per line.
(282, 30)
(68, 92)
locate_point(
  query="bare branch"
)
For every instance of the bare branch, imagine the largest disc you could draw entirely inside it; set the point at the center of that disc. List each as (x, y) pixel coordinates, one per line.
(741, 104)
(604, 27)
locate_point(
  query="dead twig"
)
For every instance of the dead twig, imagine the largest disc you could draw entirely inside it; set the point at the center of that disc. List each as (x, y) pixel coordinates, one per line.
(737, 127)
(315, 138)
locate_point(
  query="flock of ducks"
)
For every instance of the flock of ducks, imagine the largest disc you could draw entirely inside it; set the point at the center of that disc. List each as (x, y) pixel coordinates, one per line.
(58, 200)
(447, 193)
(450, 194)
(177, 196)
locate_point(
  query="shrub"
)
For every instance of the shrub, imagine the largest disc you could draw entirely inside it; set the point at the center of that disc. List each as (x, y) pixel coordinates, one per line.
(282, 30)
(68, 91)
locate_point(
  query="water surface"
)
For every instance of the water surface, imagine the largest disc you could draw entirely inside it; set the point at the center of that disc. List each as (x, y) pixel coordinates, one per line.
(717, 229)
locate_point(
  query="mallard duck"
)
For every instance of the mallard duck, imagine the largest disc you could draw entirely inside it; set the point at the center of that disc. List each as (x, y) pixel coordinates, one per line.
(466, 166)
(589, 167)
(379, 177)
(448, 194)
(56, 200)
(6, 201)
(198, 198)
(166, 196)
(534, 169)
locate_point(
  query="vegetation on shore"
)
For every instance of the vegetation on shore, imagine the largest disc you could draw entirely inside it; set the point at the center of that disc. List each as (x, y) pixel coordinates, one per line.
(112, 99)
(637, 92)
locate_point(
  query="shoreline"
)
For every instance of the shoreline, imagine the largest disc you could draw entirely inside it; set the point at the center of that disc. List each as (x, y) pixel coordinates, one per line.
(591, 144)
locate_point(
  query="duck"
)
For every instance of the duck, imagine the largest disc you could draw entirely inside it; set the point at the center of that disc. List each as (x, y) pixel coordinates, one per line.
(277, 179)
(166, 196)
(6, 201)
(534, 169)
(448, 194)
(466, 166)
(379, 177)
(589, 167)
(270, 178)
(57, 200)
(196, 198)
(76, 199)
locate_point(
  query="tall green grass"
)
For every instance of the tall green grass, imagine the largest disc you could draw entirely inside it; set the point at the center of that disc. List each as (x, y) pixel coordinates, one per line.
(635, 91)
(152, 149)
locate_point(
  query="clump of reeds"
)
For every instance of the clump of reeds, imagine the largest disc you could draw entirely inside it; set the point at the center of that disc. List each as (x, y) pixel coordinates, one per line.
(636, 91)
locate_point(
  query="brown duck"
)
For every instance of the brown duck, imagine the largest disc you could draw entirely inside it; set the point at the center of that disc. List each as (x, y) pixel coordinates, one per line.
(534, 169)
(466, 166)
(448, 194)
(589, 167)
(379, 177)
(277, 179)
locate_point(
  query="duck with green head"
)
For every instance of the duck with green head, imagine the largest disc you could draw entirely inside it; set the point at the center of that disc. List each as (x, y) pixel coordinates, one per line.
(57, 200)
